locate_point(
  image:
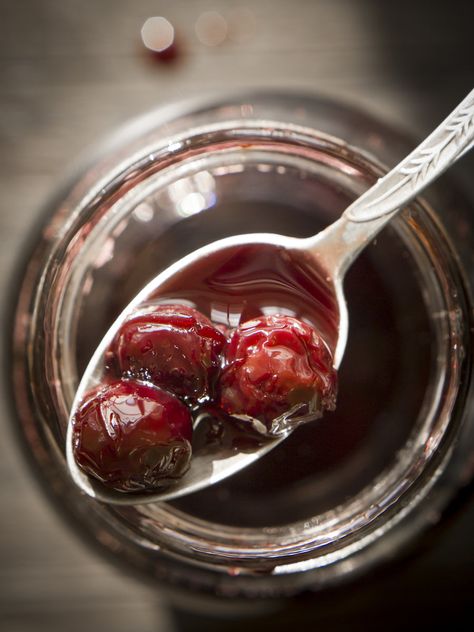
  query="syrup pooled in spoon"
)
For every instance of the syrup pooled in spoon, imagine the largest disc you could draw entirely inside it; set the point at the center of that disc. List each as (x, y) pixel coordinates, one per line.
(239, 283)
(246, 338)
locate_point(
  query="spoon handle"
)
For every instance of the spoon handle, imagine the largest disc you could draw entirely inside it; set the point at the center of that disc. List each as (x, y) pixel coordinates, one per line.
(425, 163)
(363, 219)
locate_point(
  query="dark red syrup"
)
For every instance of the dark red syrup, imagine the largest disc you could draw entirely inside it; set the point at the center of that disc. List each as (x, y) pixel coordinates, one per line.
(240, 283)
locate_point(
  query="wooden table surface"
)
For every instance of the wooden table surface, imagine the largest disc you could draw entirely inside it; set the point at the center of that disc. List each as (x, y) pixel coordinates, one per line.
(70, 72)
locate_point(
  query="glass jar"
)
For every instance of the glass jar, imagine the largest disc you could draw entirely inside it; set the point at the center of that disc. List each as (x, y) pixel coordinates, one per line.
(339, 495)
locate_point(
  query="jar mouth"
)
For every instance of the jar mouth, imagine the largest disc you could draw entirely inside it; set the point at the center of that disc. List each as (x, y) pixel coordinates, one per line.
(338, 533)
(326, 538)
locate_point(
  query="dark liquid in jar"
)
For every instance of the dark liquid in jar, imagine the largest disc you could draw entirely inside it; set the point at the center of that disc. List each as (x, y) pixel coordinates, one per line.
(382, 379)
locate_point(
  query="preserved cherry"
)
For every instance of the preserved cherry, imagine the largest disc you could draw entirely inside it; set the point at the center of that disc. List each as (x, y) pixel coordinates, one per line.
(274, 366)
(173, 346)
(132, 436)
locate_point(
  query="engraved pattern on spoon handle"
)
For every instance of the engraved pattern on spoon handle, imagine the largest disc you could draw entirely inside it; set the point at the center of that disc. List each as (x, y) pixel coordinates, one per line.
(443, 147)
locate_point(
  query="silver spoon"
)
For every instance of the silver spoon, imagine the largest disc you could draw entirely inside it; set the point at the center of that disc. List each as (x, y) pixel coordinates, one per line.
(329, 254)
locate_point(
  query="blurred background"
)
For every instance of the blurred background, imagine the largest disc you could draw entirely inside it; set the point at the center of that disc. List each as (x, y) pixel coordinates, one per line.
(73, 70)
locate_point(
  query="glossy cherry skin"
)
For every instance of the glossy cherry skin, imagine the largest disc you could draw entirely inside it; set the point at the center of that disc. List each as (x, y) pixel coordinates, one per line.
(274, 364)
(132, 436)
(173, 346)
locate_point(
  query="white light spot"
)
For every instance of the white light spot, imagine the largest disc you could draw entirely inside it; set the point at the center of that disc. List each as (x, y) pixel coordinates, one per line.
(191, 204)
(87, 286)
(193, 194)
(172, 147)
(226, 169)
(105, 253)
(143, 213)
(205, 181)
(157, 34)
(234, 312)
(275, 310)
(211, 28)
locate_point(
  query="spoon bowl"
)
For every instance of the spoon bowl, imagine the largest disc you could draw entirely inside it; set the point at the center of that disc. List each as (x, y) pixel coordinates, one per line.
(325, 258)
(212, 462)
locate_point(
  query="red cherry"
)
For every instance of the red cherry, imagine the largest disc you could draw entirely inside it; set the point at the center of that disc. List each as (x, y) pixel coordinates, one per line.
(132, 436)
(173, 346)
(274, 364)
